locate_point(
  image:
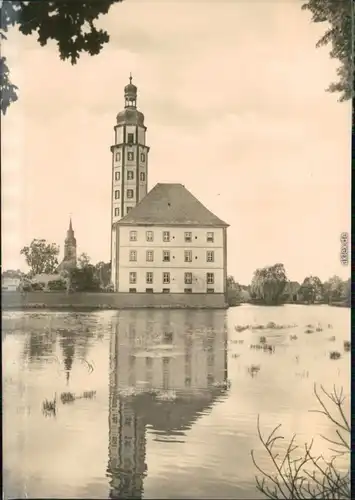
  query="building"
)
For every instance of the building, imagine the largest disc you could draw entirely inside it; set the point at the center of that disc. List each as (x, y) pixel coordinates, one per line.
(69, 260)
(10, 284)
(164, 240)
(129, 164)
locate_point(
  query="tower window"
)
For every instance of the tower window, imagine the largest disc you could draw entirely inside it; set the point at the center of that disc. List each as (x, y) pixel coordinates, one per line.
(117, 212)
(188, 237)
(210, 237)
(130, 175)
(166, 278)
(133, 256)
(188, 256)
(210, 256)
(210, 278)
(142, 157)
(149, 235)
(128, 209)
(150, 256)
(130, 156)
(118, 156)
(130, 193)
(133, 278)
(188, 278)
(132, 235)
(142, 176)
(117, 176)
(166, 235)
(117, 194)
(166, 256)
(149, 278)
(130, 138)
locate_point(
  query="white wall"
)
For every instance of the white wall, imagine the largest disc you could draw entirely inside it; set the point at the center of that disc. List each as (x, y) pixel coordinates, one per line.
(199, 267)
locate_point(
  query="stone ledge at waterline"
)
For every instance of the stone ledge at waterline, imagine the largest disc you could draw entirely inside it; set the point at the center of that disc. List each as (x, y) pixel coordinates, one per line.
(92, 300)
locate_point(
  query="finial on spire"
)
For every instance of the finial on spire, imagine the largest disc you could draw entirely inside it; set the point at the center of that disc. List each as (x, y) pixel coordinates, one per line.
(130, 77)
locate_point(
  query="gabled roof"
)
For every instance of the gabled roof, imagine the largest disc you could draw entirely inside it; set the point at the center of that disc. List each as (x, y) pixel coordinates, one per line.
(169, 205)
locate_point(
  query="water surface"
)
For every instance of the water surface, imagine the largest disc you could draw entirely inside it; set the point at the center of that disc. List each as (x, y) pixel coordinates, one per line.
(161, 404)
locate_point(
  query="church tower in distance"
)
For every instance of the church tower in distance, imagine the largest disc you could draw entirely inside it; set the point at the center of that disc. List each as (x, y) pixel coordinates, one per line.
(129, 164)
(69, 260)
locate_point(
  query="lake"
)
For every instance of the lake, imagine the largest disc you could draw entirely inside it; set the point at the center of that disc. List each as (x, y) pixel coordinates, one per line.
(160, 403)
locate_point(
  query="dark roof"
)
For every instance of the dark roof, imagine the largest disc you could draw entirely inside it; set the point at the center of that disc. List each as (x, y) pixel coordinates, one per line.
(171, 204)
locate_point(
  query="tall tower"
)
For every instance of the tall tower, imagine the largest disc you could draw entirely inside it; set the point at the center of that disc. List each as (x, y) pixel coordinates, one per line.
(69, 260)
(129, 164)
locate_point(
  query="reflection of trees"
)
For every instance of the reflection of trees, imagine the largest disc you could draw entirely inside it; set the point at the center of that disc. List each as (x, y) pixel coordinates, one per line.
(67, 344)
(38, 345)
(166, 370)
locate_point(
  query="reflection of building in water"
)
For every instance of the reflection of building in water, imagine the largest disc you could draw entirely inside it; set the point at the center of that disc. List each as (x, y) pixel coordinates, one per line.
(167, 368)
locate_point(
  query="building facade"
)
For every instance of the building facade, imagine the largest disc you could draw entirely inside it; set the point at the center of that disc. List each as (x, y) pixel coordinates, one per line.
(70, 257)
(129, 164)
(171, 243)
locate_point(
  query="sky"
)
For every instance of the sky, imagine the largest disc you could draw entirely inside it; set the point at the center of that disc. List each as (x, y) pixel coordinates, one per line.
(234, 100)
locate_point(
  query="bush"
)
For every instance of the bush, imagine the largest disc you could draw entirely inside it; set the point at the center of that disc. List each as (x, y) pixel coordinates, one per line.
(308, 476)
(57, 285)
(36, 287)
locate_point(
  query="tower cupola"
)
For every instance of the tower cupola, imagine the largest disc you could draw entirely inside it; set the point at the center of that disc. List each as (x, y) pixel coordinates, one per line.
(130, 94)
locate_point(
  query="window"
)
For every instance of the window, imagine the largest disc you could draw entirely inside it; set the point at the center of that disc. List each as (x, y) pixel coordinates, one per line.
(166, 256)
(133, 278)
(210, 237)
(117, 212)
(117, 194)
(150, 256)
(132, 290)
(133, 236)
(128, 209)
(210, 290)
(188, 256)
(130, 156)
(210, 256)
(166, 278)
(130, 175)
(118, 156)
(130, 193)
(166, 235)
(188, 237)
(142, 157)
(117, 176)
(166, 290)
(149, 235)
(133, 255)
(142, 176)
(210, 278)
(187, 290)
(149, 278)
(114, 440)
(188, 278)
(114, 419)
(130, 138)
(149, 290)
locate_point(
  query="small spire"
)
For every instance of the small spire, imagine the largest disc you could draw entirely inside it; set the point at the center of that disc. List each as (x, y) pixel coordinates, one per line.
(70, 224)
(130, 77)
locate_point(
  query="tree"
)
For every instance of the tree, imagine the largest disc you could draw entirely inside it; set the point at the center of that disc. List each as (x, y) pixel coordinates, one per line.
(268, 284)
(339, 14)
(83, 260)
(311, 289)
(332, 289)
(103, 272)
(233, 291)
(84, 279)
(69, 23)
(41, 257)
(305, 475)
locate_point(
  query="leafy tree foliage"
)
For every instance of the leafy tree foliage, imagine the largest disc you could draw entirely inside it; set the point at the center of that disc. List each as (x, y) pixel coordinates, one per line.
(339, 15)
(103, 273)
(83, 260)
(41, 257)
(268, 284)
(70, 23)
(233, 291)
(311, 289)
(333, 290)
(84, 279)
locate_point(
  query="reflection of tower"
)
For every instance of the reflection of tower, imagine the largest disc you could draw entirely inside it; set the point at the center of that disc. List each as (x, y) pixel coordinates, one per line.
(127, 441)
(67, 344)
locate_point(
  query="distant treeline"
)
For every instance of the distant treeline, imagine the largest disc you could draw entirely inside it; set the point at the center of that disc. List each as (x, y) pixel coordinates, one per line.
(270, 286)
